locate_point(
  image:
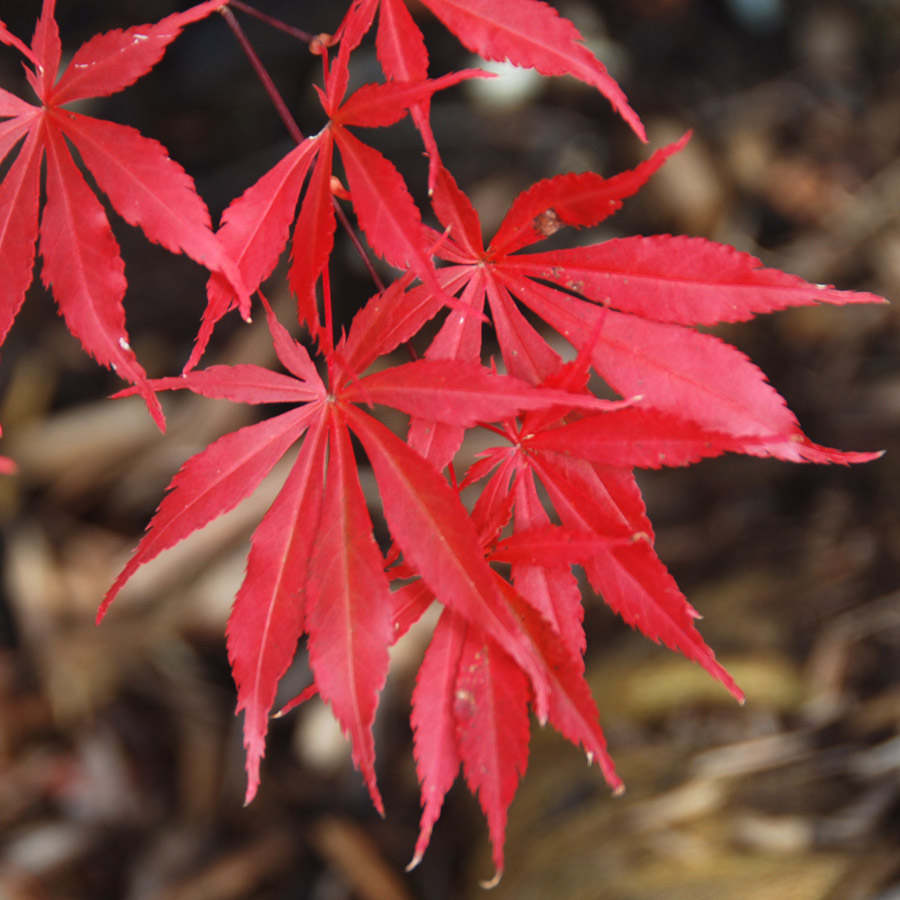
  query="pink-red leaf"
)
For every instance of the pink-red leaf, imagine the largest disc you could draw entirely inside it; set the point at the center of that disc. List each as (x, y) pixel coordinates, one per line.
(292, 354)
(399, 43)
(109, 62)
(385, 209)
(242, 383)
(380, 105)
(459, 393)
(268, 614)
(8, 38)
(213, 482)
(431, 527)
(492, 730)
(555, 547)
(572, 710)
(553, 593)
(456, 213)
(684, 280)
(526, 353)
(669, 367)
(459, 339)
(576, 200)
(401, 51)
(348, 612)
(631, 578)
(393, 316)
(313, 239)
(434, 724)
(11, 105)
(82, 263)
(636, 436)
(356, 22)
(148, 189)
(47, 51)
(531, 34)
(255, 226)
(408, 605)
(254, 232)
(19, 197)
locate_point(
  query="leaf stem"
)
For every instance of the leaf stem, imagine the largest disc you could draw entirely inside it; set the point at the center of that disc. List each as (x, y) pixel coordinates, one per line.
(298, 33)
(277, 100)
(293, 129)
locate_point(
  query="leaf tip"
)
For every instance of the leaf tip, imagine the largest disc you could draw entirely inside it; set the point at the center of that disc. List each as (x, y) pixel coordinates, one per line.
(493, 882)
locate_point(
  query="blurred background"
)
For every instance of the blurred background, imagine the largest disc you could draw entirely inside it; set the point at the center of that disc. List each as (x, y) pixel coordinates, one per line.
(121, 767)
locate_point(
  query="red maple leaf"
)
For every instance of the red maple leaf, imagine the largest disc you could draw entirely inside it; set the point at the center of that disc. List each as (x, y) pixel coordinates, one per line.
(81, 261)
(630, 303)
(314, 566)
(255, 227)
(630, 308)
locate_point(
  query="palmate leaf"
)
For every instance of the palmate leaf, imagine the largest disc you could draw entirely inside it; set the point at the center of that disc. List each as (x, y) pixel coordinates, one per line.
(531, 34)
(348, 607)
(268, 617)
(490, 710)
(629, 321)
(528, 33)
(630, 308)
(314, 567)
(255, 227)
(81, 257)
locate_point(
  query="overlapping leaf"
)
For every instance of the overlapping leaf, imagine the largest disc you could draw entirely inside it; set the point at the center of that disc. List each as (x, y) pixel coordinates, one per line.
(80, 254)
(629, 307)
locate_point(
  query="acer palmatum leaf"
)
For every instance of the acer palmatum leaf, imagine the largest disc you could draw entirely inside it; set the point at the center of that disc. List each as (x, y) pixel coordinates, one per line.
(8, 38)
(461, 393)
(571, 710)
(268, 615)
(46, 49)
(636, 437)
(110, 62)
(490, 708)
(19, 204)
(401, 51)
(81, 256)
(552, 591)
(254, 230)
(681, 280)
(670, 367)
(82, 263)
(434, 724)
(531, 34)
(389, 318)
(431, 527)
(313, 239)
(348, 607)
(630, 577)
(578, 200)
(213, 482)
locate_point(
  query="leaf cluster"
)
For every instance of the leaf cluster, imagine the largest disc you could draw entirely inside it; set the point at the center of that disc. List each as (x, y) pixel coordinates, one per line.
(509, 641)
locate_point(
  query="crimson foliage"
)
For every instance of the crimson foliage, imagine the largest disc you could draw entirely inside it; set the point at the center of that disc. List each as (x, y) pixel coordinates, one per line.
(629, 308)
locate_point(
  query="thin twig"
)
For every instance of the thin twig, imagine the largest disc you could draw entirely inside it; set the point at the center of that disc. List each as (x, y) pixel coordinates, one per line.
(275, 23)
(263, 75)
(294, 131)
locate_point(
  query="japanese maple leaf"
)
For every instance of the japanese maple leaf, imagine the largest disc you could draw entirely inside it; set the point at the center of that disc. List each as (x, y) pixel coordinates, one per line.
(470, 704)
(256, 226)
(527, 33)
(81, 260)
(314, 566)
(634, 300)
